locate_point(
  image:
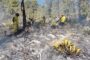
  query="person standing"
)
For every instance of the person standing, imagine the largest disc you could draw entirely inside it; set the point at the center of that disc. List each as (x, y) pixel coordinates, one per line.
(62, 20)
(15, 21)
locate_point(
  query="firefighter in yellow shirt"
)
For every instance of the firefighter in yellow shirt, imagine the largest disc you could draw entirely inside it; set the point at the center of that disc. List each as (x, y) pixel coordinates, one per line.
(62, 20)
(54, 24)
(15, 23)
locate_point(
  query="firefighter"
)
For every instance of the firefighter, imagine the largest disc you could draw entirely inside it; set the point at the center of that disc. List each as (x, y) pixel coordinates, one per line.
(62, 20)
(53, 24)
(15, 21)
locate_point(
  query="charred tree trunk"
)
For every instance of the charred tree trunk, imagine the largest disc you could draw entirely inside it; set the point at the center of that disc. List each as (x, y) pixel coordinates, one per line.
(24, 14)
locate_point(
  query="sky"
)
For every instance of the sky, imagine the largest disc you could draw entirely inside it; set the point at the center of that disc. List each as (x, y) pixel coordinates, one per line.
(41, 2)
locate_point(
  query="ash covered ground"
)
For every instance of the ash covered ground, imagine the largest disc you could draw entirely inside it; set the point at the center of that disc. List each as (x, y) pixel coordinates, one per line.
(35, 45)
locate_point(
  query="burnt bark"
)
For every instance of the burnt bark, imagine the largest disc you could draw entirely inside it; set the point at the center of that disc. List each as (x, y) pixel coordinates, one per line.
(23, 14)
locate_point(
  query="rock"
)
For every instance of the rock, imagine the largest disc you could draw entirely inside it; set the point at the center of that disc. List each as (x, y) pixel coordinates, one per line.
(80, 59)
(2, 57)
(12, 46)
(68, 58)
(51, 35)
(36, 42)
(89, 51)
(44, 37)
(59, 57)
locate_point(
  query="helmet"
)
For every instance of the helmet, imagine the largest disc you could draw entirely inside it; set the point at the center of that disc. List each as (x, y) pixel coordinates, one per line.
(17, 14)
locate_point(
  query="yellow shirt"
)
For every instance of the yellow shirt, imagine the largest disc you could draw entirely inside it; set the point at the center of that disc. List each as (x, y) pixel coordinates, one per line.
(15, 23)
(16, 20)
(63, 19)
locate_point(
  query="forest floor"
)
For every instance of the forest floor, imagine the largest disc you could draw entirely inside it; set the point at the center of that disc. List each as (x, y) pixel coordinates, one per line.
(34, 46)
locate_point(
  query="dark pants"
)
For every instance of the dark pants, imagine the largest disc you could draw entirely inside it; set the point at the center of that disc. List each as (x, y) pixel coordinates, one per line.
(62, 23)
(53, 27)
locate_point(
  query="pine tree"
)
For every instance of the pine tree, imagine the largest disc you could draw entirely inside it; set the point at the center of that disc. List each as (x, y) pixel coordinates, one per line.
(33, 8)
(48, 7)
(24, 14)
